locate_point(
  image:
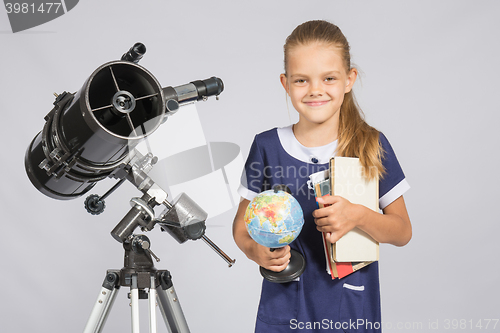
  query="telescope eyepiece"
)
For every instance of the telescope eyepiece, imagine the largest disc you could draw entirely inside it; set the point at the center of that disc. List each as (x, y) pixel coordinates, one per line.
(135, 53)
(209, 87)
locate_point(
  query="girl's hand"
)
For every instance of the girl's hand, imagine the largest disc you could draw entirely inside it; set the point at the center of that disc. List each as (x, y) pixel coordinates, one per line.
(337, 217)
(276, 260)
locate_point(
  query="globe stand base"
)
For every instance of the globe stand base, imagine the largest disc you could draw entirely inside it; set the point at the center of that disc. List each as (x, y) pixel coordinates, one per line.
(295, 268)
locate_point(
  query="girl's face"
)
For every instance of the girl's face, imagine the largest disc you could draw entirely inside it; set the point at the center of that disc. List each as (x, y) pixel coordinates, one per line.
(316, 81)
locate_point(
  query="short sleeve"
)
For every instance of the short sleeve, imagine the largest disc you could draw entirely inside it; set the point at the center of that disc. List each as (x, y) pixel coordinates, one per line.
(253, 179)
(393, 184)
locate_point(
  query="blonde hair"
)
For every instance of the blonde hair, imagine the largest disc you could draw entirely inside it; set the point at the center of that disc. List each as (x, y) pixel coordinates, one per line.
(356, 137)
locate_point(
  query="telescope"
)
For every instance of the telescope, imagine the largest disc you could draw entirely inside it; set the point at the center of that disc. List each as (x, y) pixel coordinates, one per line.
(91, 135)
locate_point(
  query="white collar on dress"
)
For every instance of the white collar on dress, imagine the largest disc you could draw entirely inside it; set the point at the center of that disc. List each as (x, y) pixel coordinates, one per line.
(295, 149)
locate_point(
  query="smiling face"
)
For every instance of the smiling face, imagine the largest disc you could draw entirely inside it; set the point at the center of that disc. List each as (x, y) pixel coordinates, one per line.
(316, 81)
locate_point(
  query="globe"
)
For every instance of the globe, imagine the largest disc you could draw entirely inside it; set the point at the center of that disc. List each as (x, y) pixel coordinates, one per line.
(274, 218)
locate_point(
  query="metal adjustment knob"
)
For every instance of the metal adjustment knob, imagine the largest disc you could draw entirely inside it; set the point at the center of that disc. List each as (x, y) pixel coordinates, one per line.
(141, 242)
(94, 204)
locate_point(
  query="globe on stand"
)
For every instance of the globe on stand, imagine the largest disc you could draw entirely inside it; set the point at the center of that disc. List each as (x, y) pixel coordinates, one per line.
(274, 219)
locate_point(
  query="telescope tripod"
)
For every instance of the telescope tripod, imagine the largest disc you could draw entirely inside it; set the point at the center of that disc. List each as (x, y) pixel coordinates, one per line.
(145, 282)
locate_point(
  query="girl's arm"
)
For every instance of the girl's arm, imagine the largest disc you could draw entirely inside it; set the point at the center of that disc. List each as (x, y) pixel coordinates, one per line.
(393, 226)
(274, 261)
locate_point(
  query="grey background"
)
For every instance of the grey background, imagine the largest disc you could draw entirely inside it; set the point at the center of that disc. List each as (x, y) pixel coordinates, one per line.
(429, 81)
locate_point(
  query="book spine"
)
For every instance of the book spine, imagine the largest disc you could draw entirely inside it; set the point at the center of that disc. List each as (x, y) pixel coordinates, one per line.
(331, 270)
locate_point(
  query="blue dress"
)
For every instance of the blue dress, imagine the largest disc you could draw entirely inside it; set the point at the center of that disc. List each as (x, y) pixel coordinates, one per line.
(315, 302)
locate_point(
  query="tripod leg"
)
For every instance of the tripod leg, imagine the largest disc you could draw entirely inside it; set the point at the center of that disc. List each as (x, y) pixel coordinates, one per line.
(170, 306)
(134, 302)
(104, 302)
(152, 306)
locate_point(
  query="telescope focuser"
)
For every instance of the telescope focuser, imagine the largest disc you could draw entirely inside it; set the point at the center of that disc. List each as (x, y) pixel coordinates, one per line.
(135, 53)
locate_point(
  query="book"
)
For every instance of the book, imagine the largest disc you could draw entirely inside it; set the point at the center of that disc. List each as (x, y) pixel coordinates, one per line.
(322, 189)
(347, 181)
(336, 270)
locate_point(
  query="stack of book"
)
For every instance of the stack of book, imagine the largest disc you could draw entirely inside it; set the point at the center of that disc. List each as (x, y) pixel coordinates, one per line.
(356, 249)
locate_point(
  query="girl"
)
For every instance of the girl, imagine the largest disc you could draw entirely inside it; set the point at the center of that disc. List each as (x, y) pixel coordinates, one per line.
(319, 78)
